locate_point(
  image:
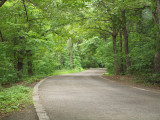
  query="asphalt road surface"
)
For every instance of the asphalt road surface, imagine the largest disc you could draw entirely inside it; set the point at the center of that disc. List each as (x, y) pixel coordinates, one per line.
(86, 96)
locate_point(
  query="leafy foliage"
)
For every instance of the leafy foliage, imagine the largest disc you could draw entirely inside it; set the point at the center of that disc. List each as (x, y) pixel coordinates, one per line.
(40, 37)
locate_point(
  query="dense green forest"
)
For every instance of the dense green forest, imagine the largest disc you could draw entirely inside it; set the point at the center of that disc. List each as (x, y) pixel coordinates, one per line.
(38, 37)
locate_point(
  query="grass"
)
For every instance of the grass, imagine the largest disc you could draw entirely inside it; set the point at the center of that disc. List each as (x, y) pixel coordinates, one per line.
(144, 81)
(16, 97)
(57, 72)
(107, 74)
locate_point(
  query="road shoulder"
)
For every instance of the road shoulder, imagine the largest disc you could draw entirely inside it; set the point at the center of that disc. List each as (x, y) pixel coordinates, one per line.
(126, 80)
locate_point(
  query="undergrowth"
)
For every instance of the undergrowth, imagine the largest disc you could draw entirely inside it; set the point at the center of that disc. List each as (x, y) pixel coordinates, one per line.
(146, 79)
(57, 72)
(14, 98)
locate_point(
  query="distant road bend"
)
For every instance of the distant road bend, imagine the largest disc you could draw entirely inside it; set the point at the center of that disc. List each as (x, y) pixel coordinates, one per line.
(86, 96)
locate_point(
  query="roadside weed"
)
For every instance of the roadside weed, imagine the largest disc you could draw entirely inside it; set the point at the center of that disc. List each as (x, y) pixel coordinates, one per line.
(14, 98)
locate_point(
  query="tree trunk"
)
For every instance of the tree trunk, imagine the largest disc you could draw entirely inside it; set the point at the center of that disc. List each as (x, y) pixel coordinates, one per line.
(20, 64)
(157, 55)
(125, 34)
(71, 56)
(28, 52)
(121, 50)
(114, 36)
(1, 36)
(18, 59)
(157, 62)
(58, 61)
(62, 61)
(29, 62)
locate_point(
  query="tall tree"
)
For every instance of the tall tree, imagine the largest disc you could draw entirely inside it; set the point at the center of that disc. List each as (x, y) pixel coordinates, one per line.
(125, 35)
(156, 17)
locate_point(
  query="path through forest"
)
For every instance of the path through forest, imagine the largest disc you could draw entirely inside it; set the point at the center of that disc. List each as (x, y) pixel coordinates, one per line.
(86, 96)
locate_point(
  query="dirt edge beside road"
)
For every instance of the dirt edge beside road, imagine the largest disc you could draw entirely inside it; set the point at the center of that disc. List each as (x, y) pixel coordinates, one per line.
(128, 80)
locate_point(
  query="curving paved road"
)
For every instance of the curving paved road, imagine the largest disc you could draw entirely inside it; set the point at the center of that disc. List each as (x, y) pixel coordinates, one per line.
(86, 96)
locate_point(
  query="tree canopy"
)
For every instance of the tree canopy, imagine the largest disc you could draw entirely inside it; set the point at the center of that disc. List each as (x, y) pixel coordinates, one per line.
(39, 37)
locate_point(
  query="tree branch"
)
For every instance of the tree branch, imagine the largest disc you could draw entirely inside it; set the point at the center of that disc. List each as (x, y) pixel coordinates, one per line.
(109, 33)
(25, 10)
(2, 2)
(142, 8)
